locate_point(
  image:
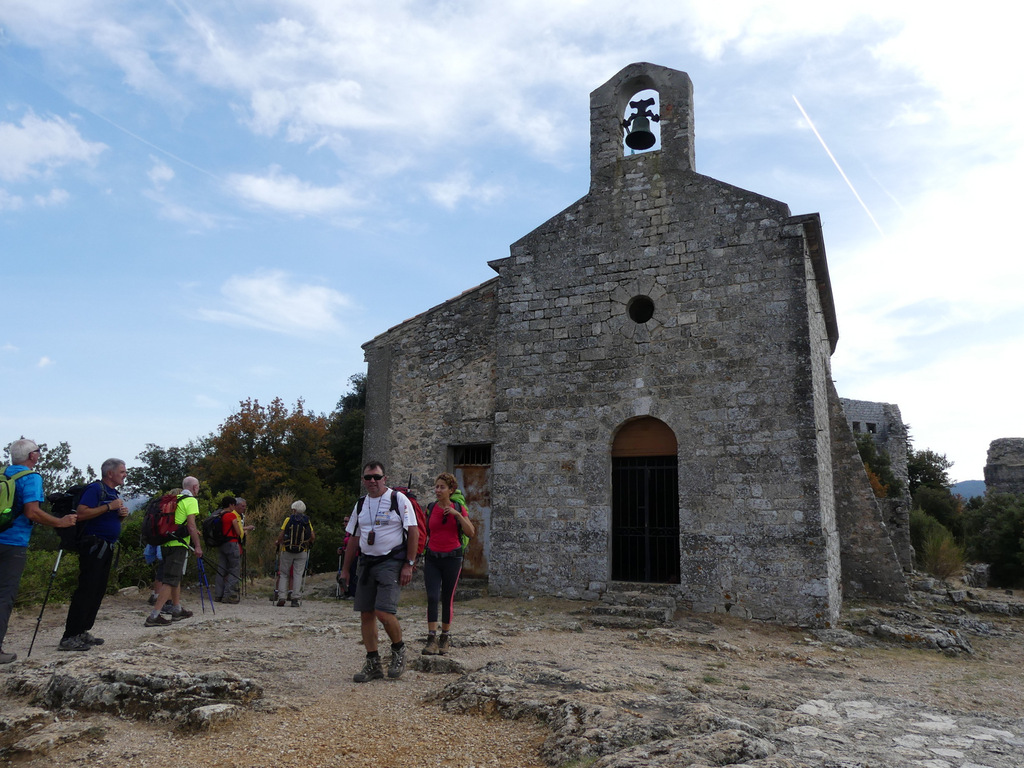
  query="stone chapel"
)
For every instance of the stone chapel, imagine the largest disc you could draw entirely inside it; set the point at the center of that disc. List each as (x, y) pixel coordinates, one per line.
(640, 400)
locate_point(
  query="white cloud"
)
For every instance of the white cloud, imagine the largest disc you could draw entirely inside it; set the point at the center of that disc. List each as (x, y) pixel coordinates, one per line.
(459, 186)
(8, 347)
(205, 401)
(274, 301)
(53, 197)
(9, 202)
(160, 173)
(38, 145)
(194, 219)
(44, 362)
(289, 194)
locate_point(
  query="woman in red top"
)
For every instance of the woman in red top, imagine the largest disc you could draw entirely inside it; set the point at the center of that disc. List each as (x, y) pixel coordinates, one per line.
(442, 564)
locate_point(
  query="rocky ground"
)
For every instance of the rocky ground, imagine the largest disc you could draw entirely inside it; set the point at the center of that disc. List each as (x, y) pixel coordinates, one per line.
(529, 683)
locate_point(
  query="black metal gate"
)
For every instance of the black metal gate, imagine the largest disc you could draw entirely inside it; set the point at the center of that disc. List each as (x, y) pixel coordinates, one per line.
(645, 519)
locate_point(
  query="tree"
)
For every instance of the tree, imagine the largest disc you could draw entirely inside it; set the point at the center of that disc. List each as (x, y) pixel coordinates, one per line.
(879, 468)
(995, 535)
(928, 468)
(165, 468)
(930, 487)
(261, 451)
(345, 440)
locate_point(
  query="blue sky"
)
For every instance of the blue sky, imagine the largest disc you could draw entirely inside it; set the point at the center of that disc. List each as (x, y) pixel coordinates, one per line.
(204, 202)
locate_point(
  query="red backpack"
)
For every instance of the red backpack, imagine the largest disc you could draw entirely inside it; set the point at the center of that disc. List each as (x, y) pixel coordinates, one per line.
(421, 518)
(158, 523)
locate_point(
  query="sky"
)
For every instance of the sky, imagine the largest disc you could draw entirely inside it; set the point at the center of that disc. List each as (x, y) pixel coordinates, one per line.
(206, 202)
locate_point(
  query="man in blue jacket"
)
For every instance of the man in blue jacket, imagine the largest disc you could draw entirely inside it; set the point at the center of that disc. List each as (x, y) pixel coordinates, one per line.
(101, 511)
(28, 495)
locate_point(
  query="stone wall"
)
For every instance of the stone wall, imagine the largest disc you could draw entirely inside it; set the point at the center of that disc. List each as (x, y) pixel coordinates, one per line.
(430, 385)
(871, 566)
(884, 422)
(1004, 466)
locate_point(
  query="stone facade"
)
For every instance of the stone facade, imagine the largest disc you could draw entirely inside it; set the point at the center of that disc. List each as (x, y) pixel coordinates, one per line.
(663, 301)
(1004, 466)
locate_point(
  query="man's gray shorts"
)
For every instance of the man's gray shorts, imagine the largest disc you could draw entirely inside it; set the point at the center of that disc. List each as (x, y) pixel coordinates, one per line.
(377, 587)
(174, 565)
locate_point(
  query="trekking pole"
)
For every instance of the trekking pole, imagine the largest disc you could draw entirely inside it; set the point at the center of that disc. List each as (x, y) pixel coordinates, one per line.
(203, 581)
(245, 568)
(53, 573)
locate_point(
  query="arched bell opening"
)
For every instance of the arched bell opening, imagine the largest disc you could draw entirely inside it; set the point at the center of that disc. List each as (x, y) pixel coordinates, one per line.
(640, 122)
(645, 503)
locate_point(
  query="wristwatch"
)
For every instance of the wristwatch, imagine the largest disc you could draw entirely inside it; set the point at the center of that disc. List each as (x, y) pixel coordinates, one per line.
(410, 562)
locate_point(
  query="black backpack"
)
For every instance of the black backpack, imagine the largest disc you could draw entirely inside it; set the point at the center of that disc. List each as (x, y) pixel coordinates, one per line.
(213, 530)
(297, 533)
(62, 505)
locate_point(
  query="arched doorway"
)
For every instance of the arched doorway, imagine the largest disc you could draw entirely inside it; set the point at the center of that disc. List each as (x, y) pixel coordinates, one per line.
(645, 503)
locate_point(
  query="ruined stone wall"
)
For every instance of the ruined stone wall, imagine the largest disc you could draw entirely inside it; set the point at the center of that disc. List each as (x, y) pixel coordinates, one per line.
(1004, 466)
(430, 384)
(884, 422)
(871, 567)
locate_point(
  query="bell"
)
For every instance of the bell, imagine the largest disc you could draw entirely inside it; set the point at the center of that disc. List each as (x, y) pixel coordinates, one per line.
(640, 136)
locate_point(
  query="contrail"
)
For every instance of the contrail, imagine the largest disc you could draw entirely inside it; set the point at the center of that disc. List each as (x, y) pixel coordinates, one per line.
(107, 120)
(838, 167)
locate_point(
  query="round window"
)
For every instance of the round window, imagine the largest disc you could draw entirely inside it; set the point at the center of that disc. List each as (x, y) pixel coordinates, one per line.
(640, 309)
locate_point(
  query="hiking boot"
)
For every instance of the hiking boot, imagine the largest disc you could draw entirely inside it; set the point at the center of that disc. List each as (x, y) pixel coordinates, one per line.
(295, 603)
(432, 648)
(444, 645)
(168, 608)
(152, 599)
(371, 670)
(184, 614)
(397, 665)
(280, 603)
(7, 658)
(159, 621)
(92, 639)
(73, 643)
(234, 599)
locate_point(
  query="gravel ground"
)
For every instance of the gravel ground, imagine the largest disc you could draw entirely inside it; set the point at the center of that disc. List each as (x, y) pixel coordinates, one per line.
(312, 714)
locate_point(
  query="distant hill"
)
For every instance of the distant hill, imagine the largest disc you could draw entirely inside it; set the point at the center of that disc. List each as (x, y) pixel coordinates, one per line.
(969, 488)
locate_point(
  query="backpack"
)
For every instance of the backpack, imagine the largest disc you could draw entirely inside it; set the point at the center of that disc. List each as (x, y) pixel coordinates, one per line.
(213, 530)
(421, 518)
(463, 538)
(62, 505)
(7, 489)
(297, 533)
(158, 523)
(460, 499)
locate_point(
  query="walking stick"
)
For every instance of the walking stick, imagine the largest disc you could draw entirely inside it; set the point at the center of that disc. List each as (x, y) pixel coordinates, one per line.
(53, 573)
(203, 581)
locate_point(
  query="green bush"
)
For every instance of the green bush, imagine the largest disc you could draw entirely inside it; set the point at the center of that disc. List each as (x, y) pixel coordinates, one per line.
(935, 549)
(38, 571)
(995, 535)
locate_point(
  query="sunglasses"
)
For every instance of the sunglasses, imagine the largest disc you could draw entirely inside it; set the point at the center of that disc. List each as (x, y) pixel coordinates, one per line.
(373, 477)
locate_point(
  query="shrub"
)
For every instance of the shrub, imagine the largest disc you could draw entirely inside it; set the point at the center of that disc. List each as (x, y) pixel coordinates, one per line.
(941, 556)
(36, 577)
(935, 549)
(995, 535)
